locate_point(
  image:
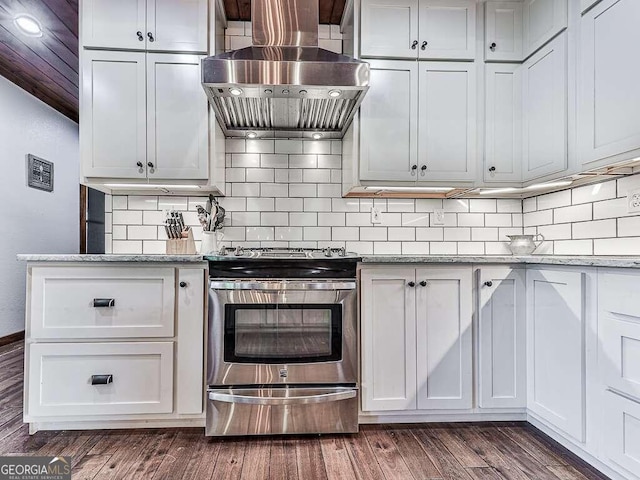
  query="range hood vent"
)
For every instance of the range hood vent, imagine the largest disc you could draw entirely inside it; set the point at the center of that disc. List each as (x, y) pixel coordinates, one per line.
(284, 86)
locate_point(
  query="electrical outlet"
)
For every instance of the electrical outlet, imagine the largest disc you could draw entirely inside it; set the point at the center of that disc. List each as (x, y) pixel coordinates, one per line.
(438, 216)
(633, 201)
(375, 215)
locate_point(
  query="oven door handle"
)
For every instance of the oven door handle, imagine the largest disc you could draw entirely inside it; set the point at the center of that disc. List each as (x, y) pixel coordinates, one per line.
(298, 400)
(279, 286)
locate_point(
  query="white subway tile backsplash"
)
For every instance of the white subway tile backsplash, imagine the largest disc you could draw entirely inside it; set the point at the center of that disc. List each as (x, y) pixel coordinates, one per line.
(126, 246)
(235, 175)
(433, 234)
(274, 161)
(288, 233)
(136, 202)
(443, 248)
(363, 248)
(316, 146)
(260, 233)
(142, 232)
(594, 193)
(358, 219)
(458, 205)
(428, 204)
(461, 234)
(496, 248)
(554, 200)
(616, 246)
(241, 219)
(316, 233)
(246, 190)
(332, 220)
(400, 205)
(127, 217)
(389, 219)
(302, 190)
(245, 160)
(275, 219)
(387, 248)
(614, 208)
(119, 232)
(108, 203)
(329, 161)
(257, 204)
(317, 204)
(288, 146)
(331, 45)
(154, 247)
(119, 202)
(498, 219)
(316, 176)
(482, 234)
(555, 232)
(289, 204)
(281, 175)
(542, 217)
(343, 204)
(415, 219)
(274, 190)
(471, 219)
(373, 234)
(470, 248)
(260, 146)
(509, 205)
(573, 247)
(403, 234)
(260, 175)
(303, 219)
(484, 205)
(503, 232)
(596, 229)
(345, 233)
(629, 227)
(576, 213)
(235, 145)
(529, 205)
(108, 222)
(415, 248)
(627, 183)
(330, 190)
(303, 161)
(295, 175)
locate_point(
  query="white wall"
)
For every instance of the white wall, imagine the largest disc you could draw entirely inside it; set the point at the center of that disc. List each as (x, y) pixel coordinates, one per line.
(33, 221)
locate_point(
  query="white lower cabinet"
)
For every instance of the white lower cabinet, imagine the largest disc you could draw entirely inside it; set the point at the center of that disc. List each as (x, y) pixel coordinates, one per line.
(416, 338)
(502, 369)
(621, 435)
(555, 349)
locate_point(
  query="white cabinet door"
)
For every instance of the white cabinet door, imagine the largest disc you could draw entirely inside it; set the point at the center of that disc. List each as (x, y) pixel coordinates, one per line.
(447, 29)
(543, 19)
(544, 111)
(114, 24)
(503, 123)
(443, 332)
(389, 28)
(388, 339)
(177, 26)
(609, 106)
(587, 4)
(388, 123)
(503, 40)
(502, 338)
(447, 121)
(555, 349)
(177, 118)
(621, 437)
(113, 114)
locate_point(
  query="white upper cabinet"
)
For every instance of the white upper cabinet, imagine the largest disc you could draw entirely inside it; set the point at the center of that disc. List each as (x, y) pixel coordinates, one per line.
(177, 26)
(177, 118)
(389, 29)
(113, 111)
(502, 338)
(543, 19)
(432, 29)
(157, 25)
(447, 121)
(388, 339)
(503, 123)
(503, 27)
(587, 4)
(544, 110)
(609, 98)
(447, 29)
(388, 126)
(443, 332)
(555, 349)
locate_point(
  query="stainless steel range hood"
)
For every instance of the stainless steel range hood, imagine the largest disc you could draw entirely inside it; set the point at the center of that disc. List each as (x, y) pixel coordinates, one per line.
(284, 86)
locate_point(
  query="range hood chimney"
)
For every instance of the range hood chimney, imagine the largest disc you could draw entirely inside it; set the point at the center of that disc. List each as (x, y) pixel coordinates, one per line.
(284, 86)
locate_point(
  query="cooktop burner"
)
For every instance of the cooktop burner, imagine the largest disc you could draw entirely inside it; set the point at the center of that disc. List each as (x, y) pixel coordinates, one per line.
(228, 253)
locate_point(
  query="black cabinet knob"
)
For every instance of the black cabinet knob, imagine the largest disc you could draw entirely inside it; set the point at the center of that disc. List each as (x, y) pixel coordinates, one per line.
(492, 169)
(140, 164)
(488, 283)
(149, 164)
(423, 46)
(414, 167)
(492, 47)
(140, 36)
(412, 284)
(423, 283)
(183, 284)
(414, 45)
(150, 36)
(423, 168)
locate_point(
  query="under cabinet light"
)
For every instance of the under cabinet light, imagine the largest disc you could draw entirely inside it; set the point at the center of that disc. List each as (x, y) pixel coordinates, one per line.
(28, 25)
(496, 191)
(540, 186)
(317, 136)
(411, 189)
(150, 185)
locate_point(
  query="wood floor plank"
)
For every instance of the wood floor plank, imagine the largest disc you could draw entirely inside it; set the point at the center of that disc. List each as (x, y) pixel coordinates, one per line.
(384, 448)
(177, 456)
(566, 472)
(230, 459)
(257, 456)
(88, 467)
(412, 453)
(150, 459)
(484, 473)
(362, 458)
(458, 447)
(337, 461)
(534, 446)
(203, 460)
(309, 459)
(123, 458)
(283, 464)
(446, 463)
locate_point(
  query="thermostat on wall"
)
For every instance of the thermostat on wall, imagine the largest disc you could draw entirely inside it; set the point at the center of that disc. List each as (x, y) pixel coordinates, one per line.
(39, 173)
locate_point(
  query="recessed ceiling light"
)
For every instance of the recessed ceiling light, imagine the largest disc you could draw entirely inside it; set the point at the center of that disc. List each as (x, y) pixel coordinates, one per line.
(317, 136)
(28, 25)
(334, 93)
(235, 91)
(252, 135)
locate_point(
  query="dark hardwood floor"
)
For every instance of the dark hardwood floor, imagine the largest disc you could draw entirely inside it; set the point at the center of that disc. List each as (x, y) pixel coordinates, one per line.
(512, 451)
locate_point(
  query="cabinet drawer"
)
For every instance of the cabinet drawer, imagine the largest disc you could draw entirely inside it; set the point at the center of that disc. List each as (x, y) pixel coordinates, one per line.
(622, 436)
(618, 293)
(620, 344)
(61, 377)
(66, 302)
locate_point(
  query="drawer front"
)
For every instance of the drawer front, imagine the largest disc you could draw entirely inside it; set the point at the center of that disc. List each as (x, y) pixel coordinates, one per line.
(102, 302)
(620, 353)
(621, 440)
(618, 293)
(61, 377)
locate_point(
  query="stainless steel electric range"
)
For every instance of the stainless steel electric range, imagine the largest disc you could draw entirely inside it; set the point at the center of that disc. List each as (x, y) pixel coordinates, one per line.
(283, 349)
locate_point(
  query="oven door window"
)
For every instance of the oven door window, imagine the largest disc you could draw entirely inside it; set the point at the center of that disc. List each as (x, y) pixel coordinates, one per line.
(283, 333)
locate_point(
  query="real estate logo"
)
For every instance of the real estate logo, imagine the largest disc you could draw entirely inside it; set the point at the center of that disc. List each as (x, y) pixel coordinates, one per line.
(35, 468)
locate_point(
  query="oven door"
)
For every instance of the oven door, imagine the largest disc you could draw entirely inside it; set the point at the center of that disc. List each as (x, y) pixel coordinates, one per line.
(282, 332)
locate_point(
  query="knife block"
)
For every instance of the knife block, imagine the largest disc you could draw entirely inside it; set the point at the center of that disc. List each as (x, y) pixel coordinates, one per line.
(181, 246)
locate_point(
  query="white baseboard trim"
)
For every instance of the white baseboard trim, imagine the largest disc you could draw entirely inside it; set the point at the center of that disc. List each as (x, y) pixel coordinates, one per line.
(115, 424)
(574, 448)
(365, 419)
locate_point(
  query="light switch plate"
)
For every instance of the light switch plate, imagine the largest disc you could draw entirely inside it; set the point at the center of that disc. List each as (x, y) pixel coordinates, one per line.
(438, 216)
(375, 215)
(633, 201)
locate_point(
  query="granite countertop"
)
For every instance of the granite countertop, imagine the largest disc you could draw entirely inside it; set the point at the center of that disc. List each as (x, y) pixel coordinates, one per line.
(583, 261)
(110, 258)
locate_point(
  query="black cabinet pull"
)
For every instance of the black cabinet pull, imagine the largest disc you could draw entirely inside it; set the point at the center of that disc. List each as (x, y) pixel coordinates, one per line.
(488, 283)
(104, 379)
(423, 46)
(104, 302)
(492, 169)
(414, 167)
(140, 36)
(423, 168)
(140, 164)
(149, 164)
(183, 284)
(150, 35)
(414, 45)
(492, 47)
(423, 283)
(412, 284)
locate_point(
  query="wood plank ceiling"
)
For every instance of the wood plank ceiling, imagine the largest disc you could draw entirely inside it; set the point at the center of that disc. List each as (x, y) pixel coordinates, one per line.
(46, 66)
(330, 10)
